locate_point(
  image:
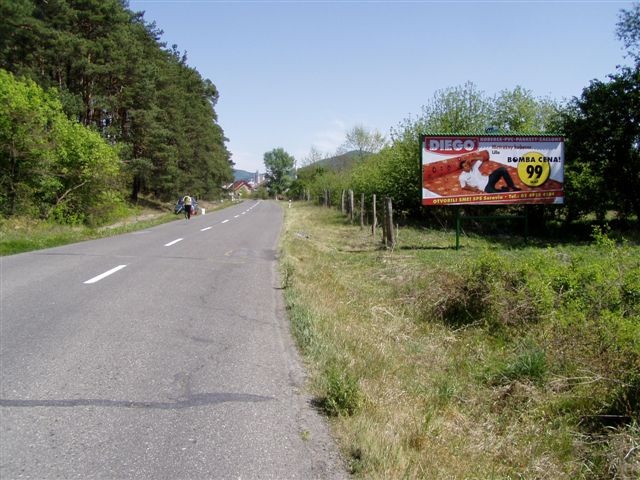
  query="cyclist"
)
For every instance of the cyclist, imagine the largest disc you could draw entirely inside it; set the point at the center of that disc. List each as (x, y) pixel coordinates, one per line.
(187, 201)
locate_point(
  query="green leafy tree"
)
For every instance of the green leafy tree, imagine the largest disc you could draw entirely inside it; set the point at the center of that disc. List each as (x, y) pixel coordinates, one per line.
(603, 136)
(26, 114)
(518, 111)
(279, 169)
(456, 109)
(360, 139)
(51, 166)
(89, 173)
(603, 142)
(296, 190)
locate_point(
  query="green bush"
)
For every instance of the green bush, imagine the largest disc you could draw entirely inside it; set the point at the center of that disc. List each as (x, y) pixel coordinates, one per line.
(343, 396)
(584, 303)
(495, 294)
(55, 168)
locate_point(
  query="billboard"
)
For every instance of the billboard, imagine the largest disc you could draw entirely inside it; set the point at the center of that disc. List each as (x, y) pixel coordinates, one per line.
(492, 169)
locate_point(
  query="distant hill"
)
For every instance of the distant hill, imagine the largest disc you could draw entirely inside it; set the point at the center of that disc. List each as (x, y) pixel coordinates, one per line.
(339, 162)
(243, 175)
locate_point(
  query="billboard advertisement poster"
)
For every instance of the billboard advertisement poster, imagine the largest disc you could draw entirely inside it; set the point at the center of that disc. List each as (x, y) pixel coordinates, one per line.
(492, 169)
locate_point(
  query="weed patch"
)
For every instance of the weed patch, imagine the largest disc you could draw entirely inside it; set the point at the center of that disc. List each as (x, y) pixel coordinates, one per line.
(527, 365)
(343, 395)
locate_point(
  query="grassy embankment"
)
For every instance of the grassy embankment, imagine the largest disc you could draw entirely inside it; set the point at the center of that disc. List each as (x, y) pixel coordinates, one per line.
(494, 361)
(20, 234)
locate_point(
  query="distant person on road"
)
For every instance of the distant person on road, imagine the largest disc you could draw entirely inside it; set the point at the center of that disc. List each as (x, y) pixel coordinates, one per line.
(472, 179)
(187, 201)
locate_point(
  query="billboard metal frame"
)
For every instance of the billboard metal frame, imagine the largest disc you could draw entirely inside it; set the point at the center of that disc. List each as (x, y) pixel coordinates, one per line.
(492, 169)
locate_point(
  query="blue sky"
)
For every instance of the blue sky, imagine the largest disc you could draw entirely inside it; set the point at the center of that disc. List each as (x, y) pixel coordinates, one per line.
(297, 74)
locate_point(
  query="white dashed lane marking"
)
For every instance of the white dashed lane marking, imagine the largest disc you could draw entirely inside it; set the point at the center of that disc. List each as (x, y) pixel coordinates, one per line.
(105, 274)
(120, 267)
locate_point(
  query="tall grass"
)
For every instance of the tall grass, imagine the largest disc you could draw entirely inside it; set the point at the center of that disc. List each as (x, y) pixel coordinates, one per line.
(488, 362)
(18, 235)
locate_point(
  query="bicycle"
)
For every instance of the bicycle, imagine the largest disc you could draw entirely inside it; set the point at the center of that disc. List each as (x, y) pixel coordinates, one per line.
(187, 212)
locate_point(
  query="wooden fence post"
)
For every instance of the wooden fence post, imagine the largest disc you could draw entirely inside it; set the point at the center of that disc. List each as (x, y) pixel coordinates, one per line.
(351, 205)
(390, 240)
(384, 223)
(342, 202)
(328, 198)
(374, 220)
(361, 210)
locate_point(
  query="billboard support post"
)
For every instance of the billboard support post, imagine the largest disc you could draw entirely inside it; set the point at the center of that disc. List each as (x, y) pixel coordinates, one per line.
(457, 228)
(526, 224)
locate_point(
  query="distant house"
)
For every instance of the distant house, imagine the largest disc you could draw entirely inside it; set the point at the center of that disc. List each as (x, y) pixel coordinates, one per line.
(240, 188)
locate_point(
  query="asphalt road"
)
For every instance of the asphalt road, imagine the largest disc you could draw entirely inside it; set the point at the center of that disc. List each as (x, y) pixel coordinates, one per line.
(159, 354)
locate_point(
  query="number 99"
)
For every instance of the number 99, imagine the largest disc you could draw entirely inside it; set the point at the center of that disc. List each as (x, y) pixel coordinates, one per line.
(537, 171)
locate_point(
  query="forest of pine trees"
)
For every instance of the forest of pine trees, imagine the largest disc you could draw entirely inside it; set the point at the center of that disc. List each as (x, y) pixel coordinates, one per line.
(103, 67)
